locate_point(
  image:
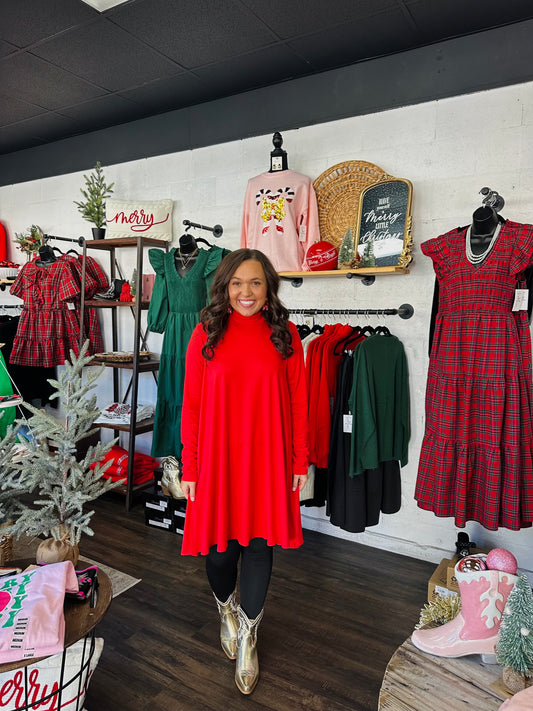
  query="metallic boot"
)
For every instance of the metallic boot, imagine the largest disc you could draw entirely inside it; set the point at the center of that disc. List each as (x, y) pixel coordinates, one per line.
(247, 669)
(229, 625)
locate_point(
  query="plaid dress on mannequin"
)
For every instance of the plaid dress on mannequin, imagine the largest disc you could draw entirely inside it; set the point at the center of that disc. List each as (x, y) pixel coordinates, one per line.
(476, 461)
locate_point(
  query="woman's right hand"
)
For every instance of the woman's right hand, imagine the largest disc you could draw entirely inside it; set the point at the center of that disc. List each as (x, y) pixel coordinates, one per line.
(189, 489)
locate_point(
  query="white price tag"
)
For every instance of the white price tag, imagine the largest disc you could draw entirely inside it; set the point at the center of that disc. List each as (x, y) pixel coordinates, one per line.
(70, 306)
(347, 421)
(520, 300)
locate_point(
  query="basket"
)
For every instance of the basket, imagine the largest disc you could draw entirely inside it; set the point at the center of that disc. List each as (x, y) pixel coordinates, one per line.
(338, 190)
(121, 356)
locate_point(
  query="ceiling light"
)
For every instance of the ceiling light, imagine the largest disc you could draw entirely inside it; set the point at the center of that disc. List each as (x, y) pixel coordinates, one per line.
(103, 5)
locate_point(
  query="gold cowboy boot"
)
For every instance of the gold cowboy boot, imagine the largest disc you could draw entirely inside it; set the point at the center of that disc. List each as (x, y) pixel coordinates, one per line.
(170, 480)
(229, 625)
(247, 669)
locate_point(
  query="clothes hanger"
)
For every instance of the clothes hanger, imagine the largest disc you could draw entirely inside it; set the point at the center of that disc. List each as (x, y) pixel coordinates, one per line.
(382, 331)
(303, 330)
(56, 249)
(354, 335)
(368, 330)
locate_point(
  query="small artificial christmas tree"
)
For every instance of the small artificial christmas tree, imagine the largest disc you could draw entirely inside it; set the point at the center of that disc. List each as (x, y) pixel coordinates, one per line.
(44, 491)
(515, 644)
(346, 250)
(368, 255)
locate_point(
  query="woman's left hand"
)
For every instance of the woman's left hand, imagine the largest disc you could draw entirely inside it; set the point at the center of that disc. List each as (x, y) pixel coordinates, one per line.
(299, 481)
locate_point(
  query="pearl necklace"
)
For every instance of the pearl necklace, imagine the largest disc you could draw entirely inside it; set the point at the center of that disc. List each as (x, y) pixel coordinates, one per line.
(478, 258)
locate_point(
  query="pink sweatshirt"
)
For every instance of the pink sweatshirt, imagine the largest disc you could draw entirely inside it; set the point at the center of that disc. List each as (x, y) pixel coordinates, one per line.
(32, 623)
(280, 218)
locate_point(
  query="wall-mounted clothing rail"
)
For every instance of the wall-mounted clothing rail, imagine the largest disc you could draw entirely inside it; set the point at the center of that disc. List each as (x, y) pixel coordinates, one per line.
(404, 311)
(78, 240)
(10, 306)
(217, 230)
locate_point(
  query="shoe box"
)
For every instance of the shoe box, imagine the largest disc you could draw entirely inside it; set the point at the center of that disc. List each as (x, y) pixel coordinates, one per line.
(164, 512)
(438, 583)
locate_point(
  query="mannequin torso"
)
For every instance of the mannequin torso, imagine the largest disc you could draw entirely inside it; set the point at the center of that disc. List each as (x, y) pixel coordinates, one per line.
(186, 254)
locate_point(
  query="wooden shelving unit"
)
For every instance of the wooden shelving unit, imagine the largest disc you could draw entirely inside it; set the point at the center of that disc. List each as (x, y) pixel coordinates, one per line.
(136, 366)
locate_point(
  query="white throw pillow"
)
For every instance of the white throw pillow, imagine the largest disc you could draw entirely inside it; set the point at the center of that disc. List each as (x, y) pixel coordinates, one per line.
(139, 217)
(44, 676)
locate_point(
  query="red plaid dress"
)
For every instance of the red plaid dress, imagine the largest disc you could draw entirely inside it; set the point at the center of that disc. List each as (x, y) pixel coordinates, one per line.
(47, 329)
(476, 461)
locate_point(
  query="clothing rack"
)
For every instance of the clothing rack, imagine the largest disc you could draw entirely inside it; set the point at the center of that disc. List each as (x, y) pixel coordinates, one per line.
(404, 311)
(217, 230)
(80, 240)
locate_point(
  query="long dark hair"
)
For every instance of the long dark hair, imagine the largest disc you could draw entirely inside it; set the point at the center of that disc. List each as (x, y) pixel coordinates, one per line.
(215, 316)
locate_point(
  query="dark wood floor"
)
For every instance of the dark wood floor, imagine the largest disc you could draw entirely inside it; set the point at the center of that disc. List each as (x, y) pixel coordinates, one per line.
(335, 613)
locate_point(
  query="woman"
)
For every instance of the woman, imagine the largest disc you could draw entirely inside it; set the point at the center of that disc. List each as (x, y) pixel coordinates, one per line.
(244, 434)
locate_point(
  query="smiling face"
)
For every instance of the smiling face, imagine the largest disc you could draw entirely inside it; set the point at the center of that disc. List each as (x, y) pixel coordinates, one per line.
(247, 288)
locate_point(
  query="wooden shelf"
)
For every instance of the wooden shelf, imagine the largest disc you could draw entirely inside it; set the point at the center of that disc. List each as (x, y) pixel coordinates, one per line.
(366, 271)
(142, 426)
(107, 244)
(143, 365)
(111, 303)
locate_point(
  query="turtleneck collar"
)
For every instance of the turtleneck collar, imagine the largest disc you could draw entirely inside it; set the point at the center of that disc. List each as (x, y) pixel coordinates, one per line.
(238, 318)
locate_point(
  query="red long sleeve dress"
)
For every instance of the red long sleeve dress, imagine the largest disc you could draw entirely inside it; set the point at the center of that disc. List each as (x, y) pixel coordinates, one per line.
(244, 434)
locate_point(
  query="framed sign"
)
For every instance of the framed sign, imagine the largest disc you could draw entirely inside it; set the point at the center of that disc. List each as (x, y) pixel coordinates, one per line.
(383, 236)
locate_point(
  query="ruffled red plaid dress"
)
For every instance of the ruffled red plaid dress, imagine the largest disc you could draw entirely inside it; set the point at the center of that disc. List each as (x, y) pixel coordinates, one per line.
(476, 461)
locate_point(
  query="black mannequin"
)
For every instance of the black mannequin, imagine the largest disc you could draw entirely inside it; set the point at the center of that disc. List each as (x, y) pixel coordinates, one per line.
(46, 256)
(484, 222)
(278, 157)
(186, 254)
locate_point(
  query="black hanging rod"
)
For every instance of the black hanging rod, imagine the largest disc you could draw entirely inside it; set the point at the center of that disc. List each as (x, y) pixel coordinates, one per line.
(79, 240)
(404, 311)
(216, 230)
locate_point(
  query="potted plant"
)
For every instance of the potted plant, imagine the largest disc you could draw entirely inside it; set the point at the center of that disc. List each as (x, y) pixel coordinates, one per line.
(44, 487)
(92, 207)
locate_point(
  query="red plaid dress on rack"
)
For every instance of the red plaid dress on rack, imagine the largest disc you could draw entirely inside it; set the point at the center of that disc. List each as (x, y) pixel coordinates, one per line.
(476, 461)
(49, 328)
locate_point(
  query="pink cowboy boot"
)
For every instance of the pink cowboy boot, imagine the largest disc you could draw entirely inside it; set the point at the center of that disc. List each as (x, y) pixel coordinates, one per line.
(484, 595)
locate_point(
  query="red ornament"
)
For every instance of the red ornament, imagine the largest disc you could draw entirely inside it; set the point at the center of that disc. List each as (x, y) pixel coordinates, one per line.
(322, 256)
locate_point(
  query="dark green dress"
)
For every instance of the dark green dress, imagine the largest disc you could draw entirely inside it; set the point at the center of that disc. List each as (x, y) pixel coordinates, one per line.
(174, 310)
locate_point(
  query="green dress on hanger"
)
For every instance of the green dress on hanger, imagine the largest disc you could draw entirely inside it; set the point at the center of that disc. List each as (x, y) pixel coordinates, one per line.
(174, 310)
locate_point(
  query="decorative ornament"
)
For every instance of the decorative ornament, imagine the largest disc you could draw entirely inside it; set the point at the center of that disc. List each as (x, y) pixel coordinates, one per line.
(30, 241)
(502, 559)
(440, 611)
(322, 256)
(470, 564)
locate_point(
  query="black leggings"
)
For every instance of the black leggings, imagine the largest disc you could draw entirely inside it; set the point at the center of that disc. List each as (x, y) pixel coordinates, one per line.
(256, 567)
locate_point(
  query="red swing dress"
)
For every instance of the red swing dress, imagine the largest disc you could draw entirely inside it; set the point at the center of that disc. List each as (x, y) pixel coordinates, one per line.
(244, 433)
(476, 461)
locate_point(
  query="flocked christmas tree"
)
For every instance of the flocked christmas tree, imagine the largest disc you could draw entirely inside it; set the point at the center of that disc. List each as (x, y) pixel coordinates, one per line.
(346, 250)
(368, 259)
(515, 644)
(44, 491)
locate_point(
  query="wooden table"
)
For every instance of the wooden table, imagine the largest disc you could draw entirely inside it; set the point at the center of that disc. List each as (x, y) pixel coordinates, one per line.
(80, 617)
(415, 681)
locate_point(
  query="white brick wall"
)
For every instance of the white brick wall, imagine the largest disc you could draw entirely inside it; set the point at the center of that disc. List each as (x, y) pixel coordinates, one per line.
(449, 150)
